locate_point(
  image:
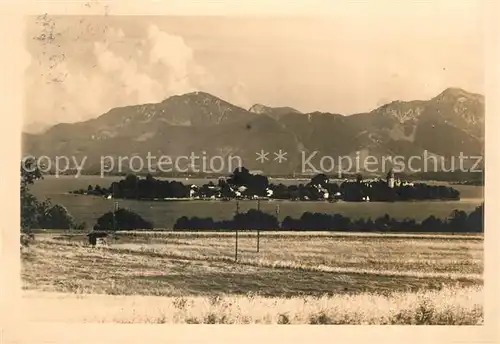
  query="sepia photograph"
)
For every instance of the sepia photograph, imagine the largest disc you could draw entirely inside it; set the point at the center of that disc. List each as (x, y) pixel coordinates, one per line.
(253, 169)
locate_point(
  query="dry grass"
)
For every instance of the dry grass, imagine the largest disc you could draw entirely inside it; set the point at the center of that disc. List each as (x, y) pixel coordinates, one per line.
(449, 306)
(392, 254)
(165, 233)
(294, 279)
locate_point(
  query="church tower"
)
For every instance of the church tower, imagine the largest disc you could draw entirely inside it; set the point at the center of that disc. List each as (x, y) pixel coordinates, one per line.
(390, 179)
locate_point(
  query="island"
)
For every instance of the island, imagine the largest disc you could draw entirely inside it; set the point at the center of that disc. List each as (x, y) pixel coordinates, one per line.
(244, 185)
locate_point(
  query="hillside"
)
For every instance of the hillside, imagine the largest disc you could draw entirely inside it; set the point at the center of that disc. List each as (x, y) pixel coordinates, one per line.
(274, 112)
(450, 123)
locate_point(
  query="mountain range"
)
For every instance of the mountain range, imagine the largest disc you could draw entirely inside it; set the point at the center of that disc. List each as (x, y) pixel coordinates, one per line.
(447, 125)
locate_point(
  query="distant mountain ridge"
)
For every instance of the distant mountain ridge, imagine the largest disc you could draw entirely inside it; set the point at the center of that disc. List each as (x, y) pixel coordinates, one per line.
(450, 123)
(275, 112)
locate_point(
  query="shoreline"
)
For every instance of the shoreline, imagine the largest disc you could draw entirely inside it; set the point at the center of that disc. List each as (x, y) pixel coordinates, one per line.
(186, 199)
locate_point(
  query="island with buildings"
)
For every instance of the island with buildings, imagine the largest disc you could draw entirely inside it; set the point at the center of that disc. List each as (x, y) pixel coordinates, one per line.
(244, 185)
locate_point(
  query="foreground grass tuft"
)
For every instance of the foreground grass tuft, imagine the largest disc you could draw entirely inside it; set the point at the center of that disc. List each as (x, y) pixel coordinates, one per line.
(448, 306)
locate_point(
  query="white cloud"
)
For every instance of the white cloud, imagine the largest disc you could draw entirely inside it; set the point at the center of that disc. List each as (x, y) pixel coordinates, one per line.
(76, 89)
(347, 65)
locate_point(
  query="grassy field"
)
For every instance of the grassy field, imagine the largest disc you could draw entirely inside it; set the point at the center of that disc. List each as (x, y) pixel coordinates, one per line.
(295, 278)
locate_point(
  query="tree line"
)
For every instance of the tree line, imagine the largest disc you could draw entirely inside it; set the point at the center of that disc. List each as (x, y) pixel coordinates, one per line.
(242, 184)
(458, 222)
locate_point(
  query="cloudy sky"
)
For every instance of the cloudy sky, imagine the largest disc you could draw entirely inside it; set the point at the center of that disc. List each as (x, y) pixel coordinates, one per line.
(351, 62)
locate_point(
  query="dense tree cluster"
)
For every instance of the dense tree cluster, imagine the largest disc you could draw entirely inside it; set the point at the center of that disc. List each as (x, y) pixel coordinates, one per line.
(253, 184)
(251, 220)
(242, 184)
(121, 219)
(320, 187)
(458, 222)
(133, 187)
(37, 214)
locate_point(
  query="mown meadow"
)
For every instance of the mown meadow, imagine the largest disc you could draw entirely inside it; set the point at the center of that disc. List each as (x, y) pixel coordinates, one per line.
(296, 278)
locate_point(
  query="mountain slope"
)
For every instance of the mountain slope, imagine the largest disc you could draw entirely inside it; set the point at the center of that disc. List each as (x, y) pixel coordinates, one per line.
(446, 125)
(274, 112)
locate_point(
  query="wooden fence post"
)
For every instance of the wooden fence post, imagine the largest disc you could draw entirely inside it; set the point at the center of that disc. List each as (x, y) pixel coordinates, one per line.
(258, 229)
(236, 233)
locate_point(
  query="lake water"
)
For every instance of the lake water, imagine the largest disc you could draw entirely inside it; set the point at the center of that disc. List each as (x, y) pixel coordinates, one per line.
(164, 214)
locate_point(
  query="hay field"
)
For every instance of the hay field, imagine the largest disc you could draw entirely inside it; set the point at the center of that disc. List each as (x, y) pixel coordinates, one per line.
(295, 278)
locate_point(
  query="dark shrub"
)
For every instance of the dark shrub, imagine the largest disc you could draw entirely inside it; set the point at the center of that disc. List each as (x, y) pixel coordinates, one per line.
(57, 217)
(123, 219)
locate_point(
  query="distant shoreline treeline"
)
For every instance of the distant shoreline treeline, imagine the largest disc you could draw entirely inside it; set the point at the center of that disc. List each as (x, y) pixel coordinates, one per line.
(457, 222)
(242, 184)
(454, 177)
